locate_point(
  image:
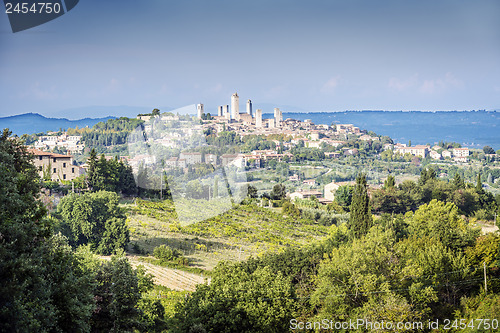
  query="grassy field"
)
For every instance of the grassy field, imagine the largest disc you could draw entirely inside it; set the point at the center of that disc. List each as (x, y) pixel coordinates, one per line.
(245, 230)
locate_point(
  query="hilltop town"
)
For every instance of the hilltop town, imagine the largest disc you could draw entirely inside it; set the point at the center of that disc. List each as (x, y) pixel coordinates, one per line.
(280, 141)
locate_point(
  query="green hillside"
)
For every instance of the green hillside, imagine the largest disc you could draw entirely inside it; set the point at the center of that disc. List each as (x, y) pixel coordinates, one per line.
(241, 232)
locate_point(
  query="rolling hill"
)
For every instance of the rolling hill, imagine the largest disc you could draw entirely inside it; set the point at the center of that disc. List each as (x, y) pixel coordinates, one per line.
(30, 123)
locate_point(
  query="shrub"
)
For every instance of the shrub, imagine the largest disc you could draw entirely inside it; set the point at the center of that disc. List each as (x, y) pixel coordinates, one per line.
(483, 215)
(166, 253)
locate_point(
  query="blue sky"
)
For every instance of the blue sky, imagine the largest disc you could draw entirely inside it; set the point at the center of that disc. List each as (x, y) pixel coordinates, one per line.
(310, 55)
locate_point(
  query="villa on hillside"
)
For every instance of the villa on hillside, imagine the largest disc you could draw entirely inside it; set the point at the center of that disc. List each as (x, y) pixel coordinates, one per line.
(305, 194)
(461, 152)
(60, 167)
(330, 190)
(418, 150)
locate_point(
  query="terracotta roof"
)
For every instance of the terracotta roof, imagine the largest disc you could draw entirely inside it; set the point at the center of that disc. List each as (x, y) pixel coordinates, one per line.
(38, 152)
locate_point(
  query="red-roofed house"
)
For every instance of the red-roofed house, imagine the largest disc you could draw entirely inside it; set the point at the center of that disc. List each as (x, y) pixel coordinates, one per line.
(60, 167)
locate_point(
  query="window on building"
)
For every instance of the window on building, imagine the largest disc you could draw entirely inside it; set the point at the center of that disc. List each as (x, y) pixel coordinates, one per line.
(54, 160)
(73, 170)
(54, 170)
(64, 165)
(64, 176)
(40, 168)
(40, 157)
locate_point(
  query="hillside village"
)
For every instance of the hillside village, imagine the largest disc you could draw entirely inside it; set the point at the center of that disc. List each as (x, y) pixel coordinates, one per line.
(335, 141)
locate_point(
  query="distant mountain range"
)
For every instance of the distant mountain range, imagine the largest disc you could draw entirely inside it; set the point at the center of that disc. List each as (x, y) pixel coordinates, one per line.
(30, 123)
(95, 111)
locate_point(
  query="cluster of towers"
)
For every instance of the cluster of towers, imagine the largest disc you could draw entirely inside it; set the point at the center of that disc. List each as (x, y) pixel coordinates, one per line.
(233, 113)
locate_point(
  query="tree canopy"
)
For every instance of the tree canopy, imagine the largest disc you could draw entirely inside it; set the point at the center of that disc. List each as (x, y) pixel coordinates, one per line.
(95, 219)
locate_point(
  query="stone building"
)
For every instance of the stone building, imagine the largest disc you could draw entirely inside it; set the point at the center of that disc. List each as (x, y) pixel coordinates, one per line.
(59, 167)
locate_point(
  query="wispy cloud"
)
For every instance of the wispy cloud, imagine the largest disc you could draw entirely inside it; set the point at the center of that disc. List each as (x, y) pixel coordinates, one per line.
(40, 92)
(433, 86)
(276, 92)
(403, 84)
(113, 85)
(215, 89)
(330, 85)
(425, 85)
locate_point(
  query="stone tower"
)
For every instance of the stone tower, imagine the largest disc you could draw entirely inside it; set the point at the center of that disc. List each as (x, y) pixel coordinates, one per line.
(258, 118)
(219, 111)
(235, 107)
(199, 108)
(249, 107)
(278, 116)
(225, 112)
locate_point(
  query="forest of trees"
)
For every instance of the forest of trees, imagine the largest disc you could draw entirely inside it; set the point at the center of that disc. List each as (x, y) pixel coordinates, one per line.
(110, 175)
(471, 199)
(429, 268)
(47, 286)
(109, 133)
(418, 259)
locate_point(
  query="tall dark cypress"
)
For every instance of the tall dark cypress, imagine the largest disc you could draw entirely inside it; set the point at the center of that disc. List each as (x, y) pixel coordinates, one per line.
(92, 172)
(479, 184)
(361, 218)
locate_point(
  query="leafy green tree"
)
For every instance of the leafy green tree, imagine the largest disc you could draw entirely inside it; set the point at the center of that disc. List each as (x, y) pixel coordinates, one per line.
(43, 288)
(360, 220)
(351, 273)
(488, 150)
(458, 182)
(390, 182)
(278, 192)
(165, 253)
(480, 306)
(95, 219)
(117, 294)
(391, 201)
(194, 189)
(237, 300)
(424, 264)
(106, 180)
(426, 175)
(153, 313)
(290, 209)
(343, 196)
(112, 175)
(442, 220)
(395, 223)
(252, 192)
(486, 250)
(466, 200)
(127, 184)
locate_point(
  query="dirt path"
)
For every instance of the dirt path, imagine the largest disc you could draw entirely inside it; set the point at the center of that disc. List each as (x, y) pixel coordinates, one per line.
(488, 228)
(168, 277)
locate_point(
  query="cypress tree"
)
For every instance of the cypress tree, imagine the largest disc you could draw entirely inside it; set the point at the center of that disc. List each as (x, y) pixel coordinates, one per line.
(458, 182)
(92, 172)
(360, 219)
(479, 184)
(390, 182)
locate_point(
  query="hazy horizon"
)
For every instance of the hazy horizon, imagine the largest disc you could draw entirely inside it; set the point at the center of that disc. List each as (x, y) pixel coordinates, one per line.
(318, 55)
